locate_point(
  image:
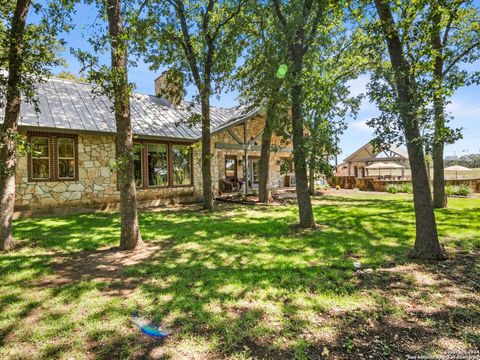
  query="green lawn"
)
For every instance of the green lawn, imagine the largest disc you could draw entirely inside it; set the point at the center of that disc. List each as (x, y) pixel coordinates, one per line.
(243, 282)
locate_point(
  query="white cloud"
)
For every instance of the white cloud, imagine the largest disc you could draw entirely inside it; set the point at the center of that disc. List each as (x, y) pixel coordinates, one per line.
(361, 125)
(464, 109)
(359, 85)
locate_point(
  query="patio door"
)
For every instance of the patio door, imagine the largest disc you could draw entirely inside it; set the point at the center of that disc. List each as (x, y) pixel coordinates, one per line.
(253, 172)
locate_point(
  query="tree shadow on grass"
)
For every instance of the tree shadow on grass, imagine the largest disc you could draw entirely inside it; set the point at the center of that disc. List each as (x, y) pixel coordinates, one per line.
(238, 281)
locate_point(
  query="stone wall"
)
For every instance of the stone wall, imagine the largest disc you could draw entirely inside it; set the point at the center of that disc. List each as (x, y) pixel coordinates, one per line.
(372, 184)
(97, 182)
(96, 185)
(255, 126)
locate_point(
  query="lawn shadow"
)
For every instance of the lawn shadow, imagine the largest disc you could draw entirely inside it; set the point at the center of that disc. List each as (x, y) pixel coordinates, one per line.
(235, 281)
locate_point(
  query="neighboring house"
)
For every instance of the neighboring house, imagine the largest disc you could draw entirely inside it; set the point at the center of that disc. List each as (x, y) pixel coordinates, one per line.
(73, 149)
(369, 162)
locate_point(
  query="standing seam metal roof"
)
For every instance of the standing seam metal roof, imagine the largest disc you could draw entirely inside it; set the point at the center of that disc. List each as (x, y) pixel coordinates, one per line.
(69, 105)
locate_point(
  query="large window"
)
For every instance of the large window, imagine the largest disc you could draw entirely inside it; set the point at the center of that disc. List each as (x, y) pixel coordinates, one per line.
(66, 158)
(182, 165)
(159, 164)
(137, 163)
(231, 167)
(157, 161)
(40, 147)
(52, 157)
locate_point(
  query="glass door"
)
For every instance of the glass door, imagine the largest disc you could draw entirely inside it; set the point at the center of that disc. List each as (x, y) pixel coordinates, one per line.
(253, 172)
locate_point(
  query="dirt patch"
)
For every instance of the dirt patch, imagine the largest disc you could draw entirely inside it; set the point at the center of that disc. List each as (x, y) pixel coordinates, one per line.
(421, 307)
(105, 265)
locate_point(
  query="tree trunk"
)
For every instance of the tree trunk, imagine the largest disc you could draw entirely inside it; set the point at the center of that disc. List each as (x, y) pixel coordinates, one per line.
(206, 154)
(8, 156)
(264, 195)
(426, 245)
(303, 196)
(130, 236)
(439, 195)
(311, 177)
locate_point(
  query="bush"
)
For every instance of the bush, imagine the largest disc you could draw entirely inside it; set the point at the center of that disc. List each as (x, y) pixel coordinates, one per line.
(461, 190)
(393, 188)
(400, 188)
(406, 188)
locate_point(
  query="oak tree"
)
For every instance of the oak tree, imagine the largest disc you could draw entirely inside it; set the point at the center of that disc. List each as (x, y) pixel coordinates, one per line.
(396, 88)
(113, 82)
(203, 40)
(28, 50)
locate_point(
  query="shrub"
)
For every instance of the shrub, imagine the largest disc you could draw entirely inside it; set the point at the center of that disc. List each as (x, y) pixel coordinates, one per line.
(337, 187)
(406, 188)
(461, 190)
(393, 188)
(400, 188)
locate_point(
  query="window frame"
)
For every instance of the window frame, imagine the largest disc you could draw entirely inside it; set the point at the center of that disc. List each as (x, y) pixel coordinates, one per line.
(190, 155)
(58, 158)
(142, 166)
(235, 159)
(145, 145)
(49, 158)
(169, 144)
(53, 152)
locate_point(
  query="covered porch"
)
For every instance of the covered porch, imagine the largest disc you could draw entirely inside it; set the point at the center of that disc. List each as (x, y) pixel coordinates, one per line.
(238, 150)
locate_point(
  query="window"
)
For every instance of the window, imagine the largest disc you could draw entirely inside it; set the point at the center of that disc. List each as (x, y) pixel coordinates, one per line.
(66, 158)
(160, 164)
(52, 157)
(137, 163)
(157, 164)
(231, 167)
(182, 165)
(40, 158)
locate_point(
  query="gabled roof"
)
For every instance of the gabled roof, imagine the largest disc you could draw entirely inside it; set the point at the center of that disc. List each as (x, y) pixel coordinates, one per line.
(69, 105)
(368, 152)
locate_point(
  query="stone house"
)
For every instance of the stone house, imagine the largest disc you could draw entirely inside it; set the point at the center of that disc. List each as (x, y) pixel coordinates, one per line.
(368, 161)
(72, 149)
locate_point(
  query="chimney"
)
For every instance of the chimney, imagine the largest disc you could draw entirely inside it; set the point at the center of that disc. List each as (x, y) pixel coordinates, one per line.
(169, 85)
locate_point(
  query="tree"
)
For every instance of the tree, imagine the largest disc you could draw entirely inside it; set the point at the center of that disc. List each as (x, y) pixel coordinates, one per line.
(113, 82)
(327, 98)
(130, 236)
(302, 24)
(454, 39)
(402, 115)
(204, 40)
(70, 76)
(27, 50)
(260, 87)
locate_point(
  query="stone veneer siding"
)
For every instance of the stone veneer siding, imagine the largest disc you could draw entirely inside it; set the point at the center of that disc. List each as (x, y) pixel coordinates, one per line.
(254, 127)
(96, 185)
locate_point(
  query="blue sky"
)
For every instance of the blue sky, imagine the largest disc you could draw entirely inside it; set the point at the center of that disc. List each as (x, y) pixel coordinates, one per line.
(464, 106)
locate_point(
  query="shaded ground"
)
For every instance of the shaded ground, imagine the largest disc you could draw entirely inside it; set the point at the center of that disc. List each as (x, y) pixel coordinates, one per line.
(244, 283)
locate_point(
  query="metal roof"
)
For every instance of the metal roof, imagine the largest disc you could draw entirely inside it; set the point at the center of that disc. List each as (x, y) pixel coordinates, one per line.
(398, 152)
(69, 105)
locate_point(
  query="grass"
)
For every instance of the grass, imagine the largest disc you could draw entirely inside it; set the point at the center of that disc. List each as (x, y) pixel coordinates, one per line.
(237, 283)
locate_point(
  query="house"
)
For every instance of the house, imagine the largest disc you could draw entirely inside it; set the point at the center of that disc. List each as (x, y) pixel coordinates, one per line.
(73, 148)
(370, 162)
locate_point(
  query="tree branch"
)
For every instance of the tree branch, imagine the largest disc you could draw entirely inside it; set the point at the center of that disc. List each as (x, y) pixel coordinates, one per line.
(278, 12)
(229, 18)
(188, 47)
(459, 57)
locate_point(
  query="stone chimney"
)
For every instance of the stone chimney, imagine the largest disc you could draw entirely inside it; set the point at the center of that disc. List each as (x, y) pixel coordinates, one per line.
(169, 85)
